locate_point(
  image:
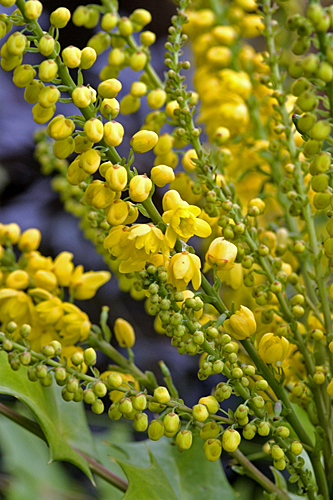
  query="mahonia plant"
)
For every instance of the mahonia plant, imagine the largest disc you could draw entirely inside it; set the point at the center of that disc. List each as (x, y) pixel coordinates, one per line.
(252, 297)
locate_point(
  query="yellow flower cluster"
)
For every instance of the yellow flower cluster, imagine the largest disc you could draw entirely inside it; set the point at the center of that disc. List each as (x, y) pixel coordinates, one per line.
(31, 291)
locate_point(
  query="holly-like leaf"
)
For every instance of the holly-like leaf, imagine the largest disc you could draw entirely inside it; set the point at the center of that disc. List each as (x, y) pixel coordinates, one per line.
(64, 424)
(170, 473)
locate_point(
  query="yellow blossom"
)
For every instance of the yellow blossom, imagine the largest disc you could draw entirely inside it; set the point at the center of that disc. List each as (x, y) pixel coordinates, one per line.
(183, 268)
(85, 285)
(63, 268)
(242, 324)
(221, 253)
(29, 240)
(182, 221)
(273, 348)
(124, 333)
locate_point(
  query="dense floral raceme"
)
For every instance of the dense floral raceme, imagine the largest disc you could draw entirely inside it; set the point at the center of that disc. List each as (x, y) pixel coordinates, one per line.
(226, 236)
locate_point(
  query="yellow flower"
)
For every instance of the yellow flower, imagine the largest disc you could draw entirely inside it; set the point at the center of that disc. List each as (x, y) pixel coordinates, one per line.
(63, 268)
(50, 311)
(273, 348)
(29, 240)
(15, 306)
(182, 221)
(139, 188)
(136, 245)
(221, 253)
(74, 326)
(232, 277)
(184, 267)
(19, 279)
(241, 325)
(85, 285)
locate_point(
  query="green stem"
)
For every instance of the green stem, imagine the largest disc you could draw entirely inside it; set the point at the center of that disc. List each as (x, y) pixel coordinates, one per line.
(259, 477)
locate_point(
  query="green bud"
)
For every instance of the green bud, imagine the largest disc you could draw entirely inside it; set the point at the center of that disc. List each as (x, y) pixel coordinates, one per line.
(100, 389)
(114, 413)
(249, 431)
(320, 163)
(97, 407)
(89, 396)
(295, 69)
(184, 439)
(155, 430)
(125, 405)
(41, 371)
(307, 101)
(25, 358)
(140, 422)
(321, 130)
(139, 402)
(210, 430)
(325, 72)
(300, 46)
(47, 381)
(90, 356)
(322, 200)
(282, 431)
(171, 422)
(66, 395)
(319, 182)
(72, 385)
(264, 429)
(32, 376)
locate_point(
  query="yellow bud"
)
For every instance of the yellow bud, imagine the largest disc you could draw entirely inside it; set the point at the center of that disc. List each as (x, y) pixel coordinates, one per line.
(60, 17)
(241, 325)
(48, 70)
(142, 17)
(147, 38)
(139, 188)
(155, 430)
(184, 439)
(46, 45)
(170, 108)
(93, 18)
(71, 56)
(75, 173)
(8, 64)
(62, 149)
(200, 412)
(124, 333)
(138, 61)
(90, 161)
(98, 195)
(32, 90)
(221, 253)
(113, 133)
(48, 96)
(60, 128)
(109, 107)
(273, 348)
(16, 44)
(230, 440)
(19, 280)
(82, 144)
(45, 279)
(109, 88)
(30, 240)
(23, 75)
(211, 403)
(257, 203)
(156, 98)
(222, 135)
(138, 89)
(88, 57)
(125, 27)
(109, 21)
(93, 128)
(42, 115)
(330, 388)
(225, 35)
(212, 449)
(81, 96)
(210, 430)
(9, 233)
(129, 104)
(7, 3)
(162, 175)
(164, 144)
(170, 200)
(144, 141)
(187, 162)
(117, 212)
(116, 177)
(33, 9)
(252, 25)
(161, 394)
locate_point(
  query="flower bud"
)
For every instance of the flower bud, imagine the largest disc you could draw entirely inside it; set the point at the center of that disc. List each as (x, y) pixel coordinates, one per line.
(32, 90)
(249, 431)
(29, 240)
(171, 423)
(114, 413)
(60, 128)
(48, 96)
(140, 422)
(264, 429)
(71, 56)
(109, 88)
(139, 188)
(139, 402)
(116, 177)
(124, 333)
(60, 17)
(33, 9)
(114, 379)
(46, 45)
(170, 199)
(98, 195)
(184, 439)
(282, 431)
(212, 449)
(221, 253)
(273, 348)
(109, 107)
(125, 27)
(230, 440)
(138, 61)
(93, 128)
(90, 356)
(156, 98)
(42, 115)
(147, 38)
(161, 394)
(109, 21)
(19, 279)
(88, 57)
(143, 141)
(277, 452)
(162, 175)
(63, 149)
(211, 403)
(129, 104)
(16, 44)
(187, 162)
(155, 430)
(320, 131)
(48, 69)
(200, 412)
(97, 407)
(113, 133)
(81, 96)
(241, 325)
(210, 430)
